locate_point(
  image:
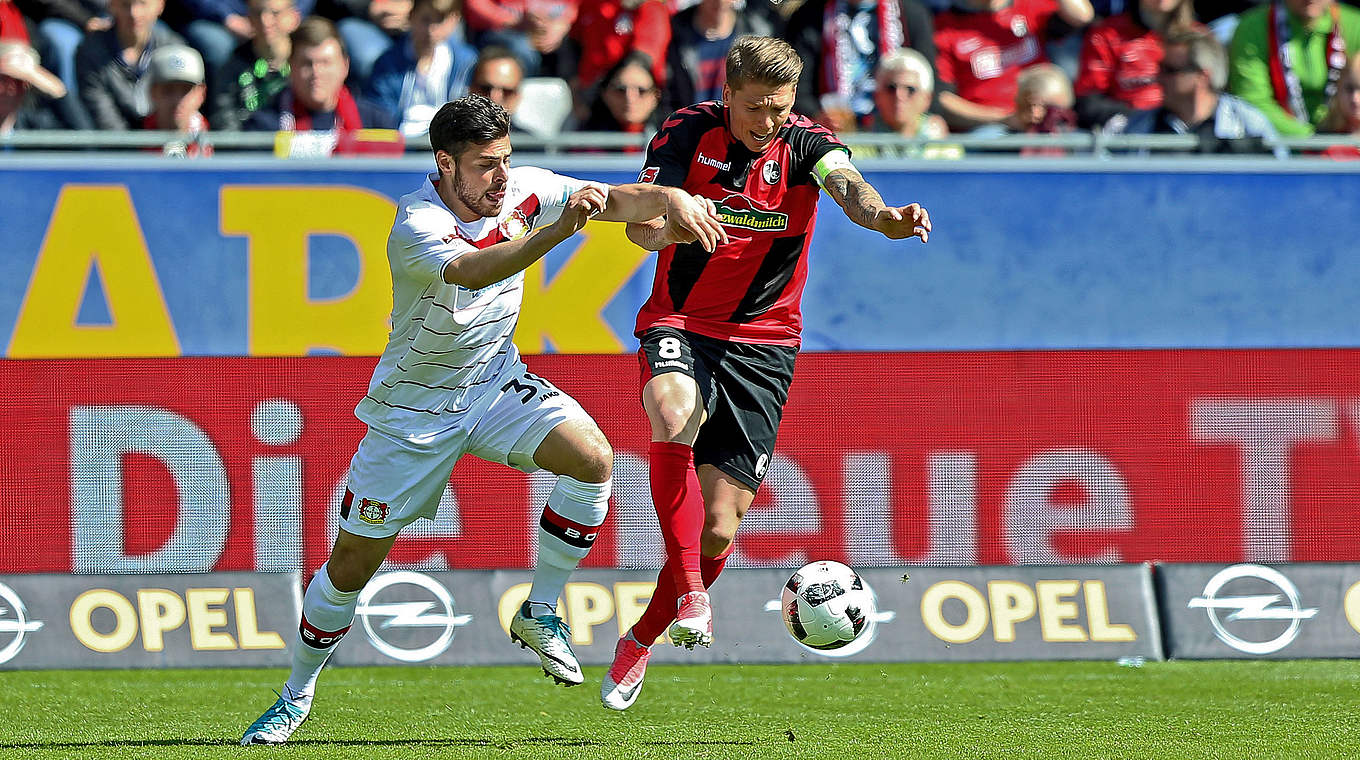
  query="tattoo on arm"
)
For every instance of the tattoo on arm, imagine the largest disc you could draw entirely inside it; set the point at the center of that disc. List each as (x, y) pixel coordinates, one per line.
(855, 195)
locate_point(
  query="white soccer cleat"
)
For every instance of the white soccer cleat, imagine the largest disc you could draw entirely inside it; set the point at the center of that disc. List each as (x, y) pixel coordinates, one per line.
(621, 684)
(548, 636)
(276, 725)
(693, 624)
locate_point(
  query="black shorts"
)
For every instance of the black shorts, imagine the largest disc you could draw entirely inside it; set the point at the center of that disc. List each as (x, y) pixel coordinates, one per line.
(744, 387)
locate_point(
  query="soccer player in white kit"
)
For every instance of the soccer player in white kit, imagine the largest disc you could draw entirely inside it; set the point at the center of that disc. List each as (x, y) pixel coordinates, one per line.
(451, 382)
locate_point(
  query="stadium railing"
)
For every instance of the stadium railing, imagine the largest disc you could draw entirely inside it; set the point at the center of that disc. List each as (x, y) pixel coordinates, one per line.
(585, 143)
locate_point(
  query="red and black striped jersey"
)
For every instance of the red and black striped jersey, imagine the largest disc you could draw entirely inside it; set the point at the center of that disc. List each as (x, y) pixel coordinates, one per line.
(750, 289)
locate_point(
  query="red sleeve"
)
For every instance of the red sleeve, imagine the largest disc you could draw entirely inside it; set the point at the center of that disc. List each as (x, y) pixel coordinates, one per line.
(944, 61)
(1040, 12)
(489, 14)
(652, 35)
(1097, 63)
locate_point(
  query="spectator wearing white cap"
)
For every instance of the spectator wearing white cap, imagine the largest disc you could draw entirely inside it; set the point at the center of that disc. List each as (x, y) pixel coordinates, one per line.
(20, 74)
(177, 94)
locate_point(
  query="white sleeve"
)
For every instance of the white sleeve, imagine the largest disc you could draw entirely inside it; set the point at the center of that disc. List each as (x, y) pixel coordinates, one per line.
(552, 190)
(424, 243)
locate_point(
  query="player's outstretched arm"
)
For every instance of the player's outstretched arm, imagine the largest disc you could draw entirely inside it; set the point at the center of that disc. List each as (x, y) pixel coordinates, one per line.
(690, 218)
(490, 265)
(865, 207)
(655, 234)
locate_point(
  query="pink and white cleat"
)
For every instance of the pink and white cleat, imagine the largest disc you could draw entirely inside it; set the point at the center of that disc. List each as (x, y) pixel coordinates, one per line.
(693, 621)
(620, 687)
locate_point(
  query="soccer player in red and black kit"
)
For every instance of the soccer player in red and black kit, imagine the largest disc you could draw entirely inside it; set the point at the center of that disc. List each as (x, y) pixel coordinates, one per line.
(720, 330)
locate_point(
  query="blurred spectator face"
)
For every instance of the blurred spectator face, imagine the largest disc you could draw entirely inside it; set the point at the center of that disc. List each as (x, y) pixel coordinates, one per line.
(11, 96)
(430, 28)
(499, 79)
(317, 73)
(1037, 105)
(756, 111)
(1308, 10)
(900, 98)
(631, 96)
(273, 21)
(1155, 11)
(1181, 79)
(136, 17)
(175, 103)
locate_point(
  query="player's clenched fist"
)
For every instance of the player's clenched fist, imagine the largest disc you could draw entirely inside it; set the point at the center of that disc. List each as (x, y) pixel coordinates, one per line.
(904, 222)
(583, 204)
(694, 218)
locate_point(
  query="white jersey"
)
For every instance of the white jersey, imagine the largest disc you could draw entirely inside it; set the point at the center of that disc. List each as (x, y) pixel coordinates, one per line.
(449, 344)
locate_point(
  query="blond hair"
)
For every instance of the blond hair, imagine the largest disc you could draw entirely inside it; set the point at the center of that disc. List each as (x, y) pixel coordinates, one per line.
(1045, 77)
(767, 60)
(1335, 121)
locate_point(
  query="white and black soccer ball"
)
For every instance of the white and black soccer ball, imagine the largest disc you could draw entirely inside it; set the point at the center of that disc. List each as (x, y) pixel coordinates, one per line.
(826, 605)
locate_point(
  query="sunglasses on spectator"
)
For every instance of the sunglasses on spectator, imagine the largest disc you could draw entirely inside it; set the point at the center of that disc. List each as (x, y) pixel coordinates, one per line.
(910, 89)
(482, 88)
(635, 89)
(1188, 68)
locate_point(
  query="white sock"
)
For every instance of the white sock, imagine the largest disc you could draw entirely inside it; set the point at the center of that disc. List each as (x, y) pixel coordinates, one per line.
(570, 522)
(326, 616)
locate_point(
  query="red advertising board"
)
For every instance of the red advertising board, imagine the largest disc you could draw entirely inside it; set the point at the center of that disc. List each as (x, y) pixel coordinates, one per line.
(934, 458)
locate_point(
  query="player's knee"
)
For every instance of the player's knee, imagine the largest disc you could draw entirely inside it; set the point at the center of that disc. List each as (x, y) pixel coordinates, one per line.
(595, 460)
(671, 417)
(717, 538)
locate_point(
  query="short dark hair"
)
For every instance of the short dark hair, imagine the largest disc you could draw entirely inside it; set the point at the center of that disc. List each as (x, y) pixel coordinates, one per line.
(497, 53)
(313, 31)
(470, 120)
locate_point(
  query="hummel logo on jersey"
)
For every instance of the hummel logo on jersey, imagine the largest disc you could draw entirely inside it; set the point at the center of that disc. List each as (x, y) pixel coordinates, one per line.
(737, 210)
(715, 163)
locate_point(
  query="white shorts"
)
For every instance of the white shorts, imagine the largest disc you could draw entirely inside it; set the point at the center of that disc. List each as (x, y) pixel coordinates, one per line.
(395, 479)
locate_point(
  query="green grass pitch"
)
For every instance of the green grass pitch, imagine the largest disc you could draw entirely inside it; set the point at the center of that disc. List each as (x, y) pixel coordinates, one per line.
(1257, 709)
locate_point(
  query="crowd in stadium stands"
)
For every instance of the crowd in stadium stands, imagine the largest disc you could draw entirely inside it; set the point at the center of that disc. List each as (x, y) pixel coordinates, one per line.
(1234, 73)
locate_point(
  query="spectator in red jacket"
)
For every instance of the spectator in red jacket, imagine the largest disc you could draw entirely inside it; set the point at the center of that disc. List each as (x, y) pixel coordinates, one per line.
(1119, 58)
(610, 30)
(984, 46)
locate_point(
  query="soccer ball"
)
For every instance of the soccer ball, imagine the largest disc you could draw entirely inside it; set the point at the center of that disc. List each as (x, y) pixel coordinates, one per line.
(826, 605)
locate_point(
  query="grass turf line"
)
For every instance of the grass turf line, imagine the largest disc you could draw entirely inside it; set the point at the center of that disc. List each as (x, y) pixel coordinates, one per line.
(1238, 709)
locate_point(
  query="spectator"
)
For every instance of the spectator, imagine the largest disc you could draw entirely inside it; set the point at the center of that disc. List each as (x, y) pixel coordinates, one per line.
(1287, 57)
(258, 70)
(111, 65)
(425, 69)
(1193, 71)
(498, 75)
(986, 44)
(19, 74)
(367, 29)
(178, 90)
(217, 28)
(534, 30)
(696, 62)
(316, 97)
(1118, 70)
(837, 85)
(61, 26)
(610, 30)
(902, 97)
(1043, 106)
(1343, 113)
(628, 102)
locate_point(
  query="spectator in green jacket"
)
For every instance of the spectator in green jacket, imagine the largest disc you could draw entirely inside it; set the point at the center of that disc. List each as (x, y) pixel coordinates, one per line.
(1293, 89)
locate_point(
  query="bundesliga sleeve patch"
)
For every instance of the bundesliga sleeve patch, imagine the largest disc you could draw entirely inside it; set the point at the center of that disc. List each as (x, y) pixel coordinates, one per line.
(836, 159)
(649, 174)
